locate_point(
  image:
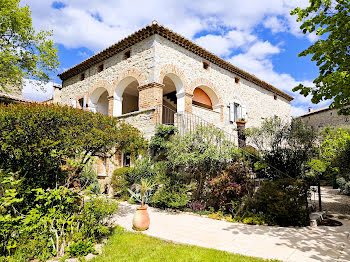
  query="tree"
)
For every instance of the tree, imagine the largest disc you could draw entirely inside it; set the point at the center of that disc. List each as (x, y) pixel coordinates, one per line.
(201, 155)
(330, 20)
(24, 52)
(49, 145)
(285, 149)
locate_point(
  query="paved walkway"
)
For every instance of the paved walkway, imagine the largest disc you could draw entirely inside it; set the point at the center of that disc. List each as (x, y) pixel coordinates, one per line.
(288, 244)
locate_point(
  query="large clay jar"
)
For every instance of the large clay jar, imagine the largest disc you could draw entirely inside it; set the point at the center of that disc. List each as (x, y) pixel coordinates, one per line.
(141, 219)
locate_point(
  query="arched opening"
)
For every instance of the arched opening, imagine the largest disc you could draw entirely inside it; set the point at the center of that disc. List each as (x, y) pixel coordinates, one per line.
(200, 98)
(98, 101)
(173, 98)
(203, 96)
(126, 96)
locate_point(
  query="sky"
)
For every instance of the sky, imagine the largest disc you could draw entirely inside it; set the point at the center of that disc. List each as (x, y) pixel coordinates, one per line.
(259, 36)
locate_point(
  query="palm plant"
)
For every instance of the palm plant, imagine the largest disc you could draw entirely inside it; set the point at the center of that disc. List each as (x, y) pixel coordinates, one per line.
(142, 188)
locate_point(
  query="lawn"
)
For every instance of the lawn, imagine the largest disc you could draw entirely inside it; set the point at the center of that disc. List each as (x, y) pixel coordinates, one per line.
(128, 246)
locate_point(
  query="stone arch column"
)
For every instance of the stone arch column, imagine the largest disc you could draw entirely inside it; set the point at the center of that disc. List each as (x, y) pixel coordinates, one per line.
(120, 84)
(180, 82)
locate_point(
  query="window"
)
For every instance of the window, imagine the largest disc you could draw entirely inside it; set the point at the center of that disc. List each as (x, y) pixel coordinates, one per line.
(82, 76)
(237, 80)
(205, 65)
(237, 112)
(126, 159)
(275, 96)
(127, 55)
(100, 68)
(81, 102)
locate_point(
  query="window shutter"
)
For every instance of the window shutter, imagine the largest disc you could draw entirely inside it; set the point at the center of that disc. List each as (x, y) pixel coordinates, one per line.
(244, 112)
(232, 112)
(74, 104)
(84, 102)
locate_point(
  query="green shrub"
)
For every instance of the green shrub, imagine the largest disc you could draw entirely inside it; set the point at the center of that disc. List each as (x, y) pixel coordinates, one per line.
(341, 182)
(94, 217)
(49, 145)
(172, 191)
(282, 202)
(81, 248)
(159, 144)
(231, 184)
(119, 181)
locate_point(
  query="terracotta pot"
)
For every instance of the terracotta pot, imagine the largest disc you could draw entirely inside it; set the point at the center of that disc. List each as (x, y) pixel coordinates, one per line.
(241, 123)
(141, 219)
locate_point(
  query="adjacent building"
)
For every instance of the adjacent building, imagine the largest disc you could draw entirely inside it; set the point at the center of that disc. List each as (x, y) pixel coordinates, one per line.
(324, 117)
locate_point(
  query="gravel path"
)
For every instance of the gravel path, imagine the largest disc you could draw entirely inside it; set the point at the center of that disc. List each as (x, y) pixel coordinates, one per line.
(328, 244)
(333, 201)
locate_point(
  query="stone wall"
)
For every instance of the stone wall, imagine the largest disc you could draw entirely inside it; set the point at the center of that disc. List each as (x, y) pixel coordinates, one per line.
(139, 65)
(259, 102)
(325, 118)
(144, 120)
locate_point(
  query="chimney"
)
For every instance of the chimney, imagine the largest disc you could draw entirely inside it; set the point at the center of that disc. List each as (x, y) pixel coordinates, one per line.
(310, 108)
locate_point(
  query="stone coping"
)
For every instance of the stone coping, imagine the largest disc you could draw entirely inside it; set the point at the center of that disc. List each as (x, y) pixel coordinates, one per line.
(136, 112)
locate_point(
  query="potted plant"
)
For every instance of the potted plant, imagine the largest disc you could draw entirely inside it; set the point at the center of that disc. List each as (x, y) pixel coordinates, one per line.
(241, 122)
(141, 219)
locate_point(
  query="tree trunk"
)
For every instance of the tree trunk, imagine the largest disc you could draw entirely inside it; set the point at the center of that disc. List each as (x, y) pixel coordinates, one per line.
(319, 194)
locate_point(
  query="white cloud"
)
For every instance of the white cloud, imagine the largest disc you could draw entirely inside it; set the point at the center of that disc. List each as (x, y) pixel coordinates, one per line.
(230, 27)
(36, 90)
(223, 45)
(275, 24)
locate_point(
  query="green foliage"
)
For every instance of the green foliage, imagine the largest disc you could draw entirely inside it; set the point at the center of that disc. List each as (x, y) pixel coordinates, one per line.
(142, 191)
(329, 20)
(24, 52)
(10, 217)
(54, 219)
(81, 248)
(201, 155)
(344, 186)
(159, 143)
(285, 149)
(172, 190)
(231, 184)
(333, 158)
(283, 202)
(49, 144)
(120, 182)
(94, 217)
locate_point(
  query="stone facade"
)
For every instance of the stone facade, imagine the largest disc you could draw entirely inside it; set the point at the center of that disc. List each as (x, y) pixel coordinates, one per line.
(325, 117)
(160, 72)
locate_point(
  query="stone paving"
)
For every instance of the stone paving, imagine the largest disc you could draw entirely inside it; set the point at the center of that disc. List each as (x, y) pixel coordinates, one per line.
(328, 244)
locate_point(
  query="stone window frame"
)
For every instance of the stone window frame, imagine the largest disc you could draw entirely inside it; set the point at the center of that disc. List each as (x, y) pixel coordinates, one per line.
(127, 54)
(206, 65)
(100, 67)
(237, 110)
(82, 76)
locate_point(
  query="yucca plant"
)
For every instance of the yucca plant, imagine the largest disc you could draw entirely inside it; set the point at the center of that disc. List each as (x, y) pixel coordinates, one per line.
(141, 190)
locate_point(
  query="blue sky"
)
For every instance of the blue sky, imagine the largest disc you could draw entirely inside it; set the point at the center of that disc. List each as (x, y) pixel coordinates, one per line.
(258, 36)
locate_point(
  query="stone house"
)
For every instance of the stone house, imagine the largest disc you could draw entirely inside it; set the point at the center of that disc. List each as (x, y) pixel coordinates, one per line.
(324, 117)
(156, 76)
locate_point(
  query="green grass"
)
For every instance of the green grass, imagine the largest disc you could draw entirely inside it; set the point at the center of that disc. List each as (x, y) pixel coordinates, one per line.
(128, 246)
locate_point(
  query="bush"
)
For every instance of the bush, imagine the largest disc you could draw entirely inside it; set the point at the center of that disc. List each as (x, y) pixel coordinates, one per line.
(120, 182)
(81, 248)
(171, 191)
(49, 144)
(283, 202)
(341, 182)
(159, 143)
(231, 184)
(94, 217)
